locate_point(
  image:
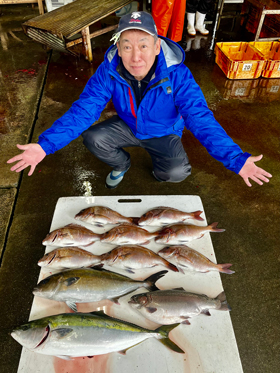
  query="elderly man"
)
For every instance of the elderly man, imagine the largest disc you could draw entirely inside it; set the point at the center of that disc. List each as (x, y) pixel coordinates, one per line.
(154, 95)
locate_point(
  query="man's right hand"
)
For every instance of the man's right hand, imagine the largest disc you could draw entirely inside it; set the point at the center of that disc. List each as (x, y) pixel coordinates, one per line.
(32, 155)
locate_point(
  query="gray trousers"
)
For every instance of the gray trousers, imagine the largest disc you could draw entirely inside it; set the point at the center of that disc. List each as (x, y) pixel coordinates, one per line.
(107, 139)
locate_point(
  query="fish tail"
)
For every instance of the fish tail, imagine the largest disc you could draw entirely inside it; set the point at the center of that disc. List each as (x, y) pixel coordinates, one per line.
(164, 332)
(151, 280)
(224, 304)
(223, 268)
(196, 215)
(212, 228)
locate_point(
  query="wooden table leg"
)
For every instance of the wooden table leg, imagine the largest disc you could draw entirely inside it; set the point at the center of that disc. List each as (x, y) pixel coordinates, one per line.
(41, 6)
(87, 43)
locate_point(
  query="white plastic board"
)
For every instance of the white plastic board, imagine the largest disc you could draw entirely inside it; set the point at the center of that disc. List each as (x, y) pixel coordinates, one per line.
(209, 342)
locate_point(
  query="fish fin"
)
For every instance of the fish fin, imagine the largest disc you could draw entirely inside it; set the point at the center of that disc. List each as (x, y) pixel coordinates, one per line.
(181, 269)
(205, 312)
(168, 343)
(186, 322)
(181, 288)
(151, 309)
(71, 280)
(122, 352)
(224, 304)
(164, 330)
(63, 332)
(151, 280)
(91, 243)
(129, 270)
(196, 215)
(97, 266)
(64, 357)
(72, 305)
(146, 242)
(115, 300)
(172, 267)
(212, 228)
(223, 268)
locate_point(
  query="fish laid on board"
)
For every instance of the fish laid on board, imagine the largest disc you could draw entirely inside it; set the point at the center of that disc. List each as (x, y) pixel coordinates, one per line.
(128, 234)
(134, 257)
(101, 215)
(177, 234)
(186, 258)
(68, 257)
(71, 235)
(71, 335)
(90, 285)
(177, 305)
(161, 216)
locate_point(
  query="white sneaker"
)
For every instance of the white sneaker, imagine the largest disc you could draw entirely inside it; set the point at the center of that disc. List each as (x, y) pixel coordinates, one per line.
(114, 178)
(199, 26)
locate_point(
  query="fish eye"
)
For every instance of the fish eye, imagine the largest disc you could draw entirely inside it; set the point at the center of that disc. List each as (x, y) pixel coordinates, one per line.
(143, 299)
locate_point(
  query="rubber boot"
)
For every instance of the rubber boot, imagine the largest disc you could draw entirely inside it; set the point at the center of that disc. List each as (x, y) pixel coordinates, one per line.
(199, 25)
(190, 27)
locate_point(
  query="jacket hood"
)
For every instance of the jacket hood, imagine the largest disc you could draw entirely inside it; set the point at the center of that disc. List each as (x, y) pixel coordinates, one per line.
(170, 51)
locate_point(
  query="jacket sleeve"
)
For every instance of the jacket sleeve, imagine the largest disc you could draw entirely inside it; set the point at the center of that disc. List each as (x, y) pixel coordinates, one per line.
(82, 114)
(200, 120)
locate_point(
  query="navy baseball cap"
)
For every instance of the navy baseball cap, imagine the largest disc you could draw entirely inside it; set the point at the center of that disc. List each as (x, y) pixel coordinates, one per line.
(136, 20)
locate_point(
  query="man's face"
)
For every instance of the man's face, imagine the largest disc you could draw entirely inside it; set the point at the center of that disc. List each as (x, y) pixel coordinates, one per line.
(138, 51)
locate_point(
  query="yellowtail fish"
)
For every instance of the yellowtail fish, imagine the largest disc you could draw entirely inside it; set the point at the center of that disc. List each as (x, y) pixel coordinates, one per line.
(71, 235)
(186, 258)
(101, 215)
(68, 257)
(177, 305)
(71, 335)
(90, 285)
(177, 234)
(134, 257)
(128, 234)
(161, 216)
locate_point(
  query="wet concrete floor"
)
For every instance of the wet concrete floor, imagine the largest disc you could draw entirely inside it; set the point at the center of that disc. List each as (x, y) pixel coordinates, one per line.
(247, 110)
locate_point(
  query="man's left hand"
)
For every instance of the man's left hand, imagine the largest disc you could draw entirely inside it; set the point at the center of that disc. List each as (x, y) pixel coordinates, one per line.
(250, 170)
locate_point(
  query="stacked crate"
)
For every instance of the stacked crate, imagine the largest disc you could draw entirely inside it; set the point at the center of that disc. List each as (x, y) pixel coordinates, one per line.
(242, 60)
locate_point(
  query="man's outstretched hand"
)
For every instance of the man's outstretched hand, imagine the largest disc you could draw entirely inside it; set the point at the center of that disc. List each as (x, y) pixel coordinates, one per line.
(32, 155)
(250, 170)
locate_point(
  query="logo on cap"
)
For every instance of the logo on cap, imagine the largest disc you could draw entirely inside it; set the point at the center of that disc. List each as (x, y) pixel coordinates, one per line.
(135, 15)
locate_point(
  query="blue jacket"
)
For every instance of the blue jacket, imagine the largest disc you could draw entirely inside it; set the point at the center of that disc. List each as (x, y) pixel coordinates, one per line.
(172, 99)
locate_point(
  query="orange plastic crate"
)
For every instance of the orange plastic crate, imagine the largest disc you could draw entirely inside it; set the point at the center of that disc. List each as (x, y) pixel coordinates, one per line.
(271, 52)
(239, 60)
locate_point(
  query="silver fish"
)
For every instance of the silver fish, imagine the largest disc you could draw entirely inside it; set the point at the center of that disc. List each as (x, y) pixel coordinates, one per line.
(186, 258)
(134, 257)
(128, 234)
(71, 235)
(90, 285)
(169, 306)
(101, 215)
(177, 234)
(68, 257)
(75, 335)
(161, 216)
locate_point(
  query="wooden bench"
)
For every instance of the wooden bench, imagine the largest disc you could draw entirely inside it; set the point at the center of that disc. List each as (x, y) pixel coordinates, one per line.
(57, 28)
(39, 2)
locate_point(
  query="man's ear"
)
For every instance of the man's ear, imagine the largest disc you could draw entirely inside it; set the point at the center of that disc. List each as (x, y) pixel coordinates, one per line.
(119, 49)
(158, 46)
